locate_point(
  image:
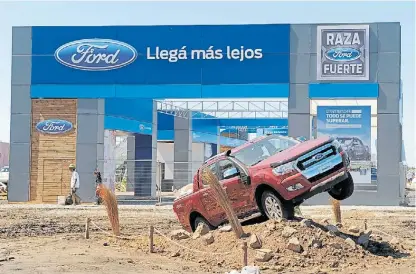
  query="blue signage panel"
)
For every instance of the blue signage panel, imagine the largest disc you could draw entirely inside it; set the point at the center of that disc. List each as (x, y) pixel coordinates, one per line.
(153, 55)
(351, 126)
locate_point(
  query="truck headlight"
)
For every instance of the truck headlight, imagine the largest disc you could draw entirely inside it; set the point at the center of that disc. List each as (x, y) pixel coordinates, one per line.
(284, 169)
(294, 187)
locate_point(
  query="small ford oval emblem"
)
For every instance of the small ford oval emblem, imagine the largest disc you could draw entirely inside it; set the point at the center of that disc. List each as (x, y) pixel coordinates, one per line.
(318, 156)
(343, 54)
(54, 126)
(96, 54)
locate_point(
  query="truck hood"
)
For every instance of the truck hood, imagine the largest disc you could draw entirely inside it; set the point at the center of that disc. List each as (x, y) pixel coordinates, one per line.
(292, 152)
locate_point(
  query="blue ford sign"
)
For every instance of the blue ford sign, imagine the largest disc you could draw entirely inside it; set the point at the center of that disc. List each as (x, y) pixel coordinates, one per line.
(54, 126)
(343, 54)
(96, 54)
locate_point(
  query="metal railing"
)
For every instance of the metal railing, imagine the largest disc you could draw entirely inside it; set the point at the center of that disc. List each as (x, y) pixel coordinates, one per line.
(144, 181)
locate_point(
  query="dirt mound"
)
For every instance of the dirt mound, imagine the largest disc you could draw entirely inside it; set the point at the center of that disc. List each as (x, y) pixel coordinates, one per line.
(295, 245)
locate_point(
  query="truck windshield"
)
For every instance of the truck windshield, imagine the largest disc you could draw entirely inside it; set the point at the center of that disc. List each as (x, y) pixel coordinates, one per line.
(263, 149)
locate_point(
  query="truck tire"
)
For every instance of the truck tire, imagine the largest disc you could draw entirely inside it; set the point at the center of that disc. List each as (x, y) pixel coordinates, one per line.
(343, 190)
(274, 208)
(201, 220)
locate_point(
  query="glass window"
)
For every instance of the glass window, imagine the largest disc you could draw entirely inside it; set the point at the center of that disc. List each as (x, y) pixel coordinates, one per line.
(263, 149)
(4, 169)
(213, 168)
(227, 169)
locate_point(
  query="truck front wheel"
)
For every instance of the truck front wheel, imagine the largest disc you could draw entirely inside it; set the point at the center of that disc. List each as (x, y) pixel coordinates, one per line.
(274, 208)
(343, 190)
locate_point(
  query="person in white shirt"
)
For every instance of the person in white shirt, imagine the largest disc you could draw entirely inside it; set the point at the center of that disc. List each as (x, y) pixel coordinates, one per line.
(74, 184)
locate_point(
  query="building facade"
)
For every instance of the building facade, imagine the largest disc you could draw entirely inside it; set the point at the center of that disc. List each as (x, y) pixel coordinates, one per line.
(70, 84)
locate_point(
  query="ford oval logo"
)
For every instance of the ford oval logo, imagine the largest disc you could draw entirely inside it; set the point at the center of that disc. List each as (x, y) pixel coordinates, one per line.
(96, 54)
(343, 54)
(318, 157)
(54, 126)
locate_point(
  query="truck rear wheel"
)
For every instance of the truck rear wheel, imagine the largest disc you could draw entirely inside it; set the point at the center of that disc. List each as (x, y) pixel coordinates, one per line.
(274, 208)
(343, 190)
(201, 220)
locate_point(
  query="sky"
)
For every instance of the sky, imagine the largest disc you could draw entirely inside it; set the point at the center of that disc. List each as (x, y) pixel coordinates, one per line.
(199, 12)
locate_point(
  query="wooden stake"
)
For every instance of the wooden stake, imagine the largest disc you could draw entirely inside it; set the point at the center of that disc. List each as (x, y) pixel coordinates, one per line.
(245, 257)
(87, 228)
(151, 232)
(365, 224)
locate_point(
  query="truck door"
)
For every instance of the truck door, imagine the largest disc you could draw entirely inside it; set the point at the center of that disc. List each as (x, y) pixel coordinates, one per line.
(213, 209)
(237, 192)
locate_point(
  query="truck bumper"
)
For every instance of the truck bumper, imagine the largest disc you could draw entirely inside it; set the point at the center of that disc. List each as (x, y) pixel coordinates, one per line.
(323, 186)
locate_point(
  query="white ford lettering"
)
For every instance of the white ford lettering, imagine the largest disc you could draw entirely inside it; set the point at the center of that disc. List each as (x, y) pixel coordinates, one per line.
(85, 53)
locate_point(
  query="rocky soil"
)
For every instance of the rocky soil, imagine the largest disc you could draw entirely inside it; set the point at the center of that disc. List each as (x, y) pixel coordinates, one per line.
(47, 239)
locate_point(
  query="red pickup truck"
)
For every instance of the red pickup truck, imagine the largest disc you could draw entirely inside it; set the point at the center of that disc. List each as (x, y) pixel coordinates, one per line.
(271, 175)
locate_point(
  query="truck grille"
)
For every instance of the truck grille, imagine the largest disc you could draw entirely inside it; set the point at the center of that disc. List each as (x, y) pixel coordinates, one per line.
(326, 173)
(315, 156)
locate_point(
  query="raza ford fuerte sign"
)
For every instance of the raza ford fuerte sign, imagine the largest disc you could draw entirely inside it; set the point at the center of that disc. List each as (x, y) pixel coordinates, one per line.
(343, 52)
(106, 54)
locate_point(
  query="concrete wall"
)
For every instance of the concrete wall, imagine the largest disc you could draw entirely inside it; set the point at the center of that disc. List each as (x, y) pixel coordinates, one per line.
(90, 144)
(20, 119)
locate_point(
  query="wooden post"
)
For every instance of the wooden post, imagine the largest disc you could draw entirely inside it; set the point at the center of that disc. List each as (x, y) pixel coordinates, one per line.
(151, 232)
(245, 263)
(365, 224)
(87, 228)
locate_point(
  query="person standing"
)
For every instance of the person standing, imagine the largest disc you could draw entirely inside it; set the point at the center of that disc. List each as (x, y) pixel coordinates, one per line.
(98, 184)
(74, 184)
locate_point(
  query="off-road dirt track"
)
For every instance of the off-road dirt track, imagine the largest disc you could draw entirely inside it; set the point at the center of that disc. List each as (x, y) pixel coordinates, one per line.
(50, 240)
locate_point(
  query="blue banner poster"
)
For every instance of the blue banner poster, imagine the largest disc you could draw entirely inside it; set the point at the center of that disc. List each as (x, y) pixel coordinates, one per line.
(351, 126)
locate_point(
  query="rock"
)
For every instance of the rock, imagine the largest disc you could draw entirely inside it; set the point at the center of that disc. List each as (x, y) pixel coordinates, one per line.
(250, 270)
(350, 242)
(316, 243)
(266, 233)
(288, 232)
(226, 228)
(271, 226)
(306, 223)
(179, 234)
(339, 225)
(175, 254)
(394, 241)
(294, 245)
(354, 229)
(208, 239)
(336, 245)
(334, 264)
(130, 261)
(364, 238)
(233, 272)
(263, 255)
(201, 230)
(106, 244)
(255, 241)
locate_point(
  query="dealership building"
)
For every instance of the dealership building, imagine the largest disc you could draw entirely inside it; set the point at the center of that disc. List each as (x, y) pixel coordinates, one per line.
(179, 94)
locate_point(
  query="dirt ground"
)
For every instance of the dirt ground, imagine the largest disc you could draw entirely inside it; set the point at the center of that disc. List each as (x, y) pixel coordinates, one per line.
(50, 239)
